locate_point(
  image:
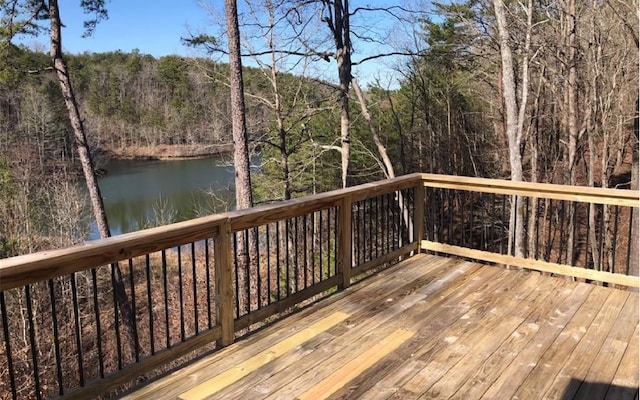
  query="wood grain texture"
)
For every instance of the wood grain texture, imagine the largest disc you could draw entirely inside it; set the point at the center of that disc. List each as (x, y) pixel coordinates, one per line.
(224, 291)
(215, 384)
(344, 241)
(357, 365)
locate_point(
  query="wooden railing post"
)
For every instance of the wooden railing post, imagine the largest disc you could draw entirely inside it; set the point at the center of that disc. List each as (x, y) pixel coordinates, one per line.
(224, 284)
(418, 214)
(344, 240)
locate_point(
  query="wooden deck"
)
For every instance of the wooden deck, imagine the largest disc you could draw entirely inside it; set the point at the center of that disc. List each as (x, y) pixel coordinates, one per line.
(433, 327)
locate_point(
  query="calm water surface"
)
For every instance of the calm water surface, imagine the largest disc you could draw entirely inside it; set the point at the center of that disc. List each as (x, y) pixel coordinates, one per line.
(140, 194)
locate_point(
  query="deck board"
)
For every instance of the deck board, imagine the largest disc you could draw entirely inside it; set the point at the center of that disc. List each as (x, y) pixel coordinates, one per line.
(433, 327)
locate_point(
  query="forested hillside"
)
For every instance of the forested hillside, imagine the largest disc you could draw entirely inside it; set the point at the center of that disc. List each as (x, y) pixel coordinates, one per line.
(573, 88)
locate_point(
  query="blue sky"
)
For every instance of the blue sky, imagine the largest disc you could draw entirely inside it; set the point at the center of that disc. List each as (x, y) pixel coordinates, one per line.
(153, 26)
(156, 26)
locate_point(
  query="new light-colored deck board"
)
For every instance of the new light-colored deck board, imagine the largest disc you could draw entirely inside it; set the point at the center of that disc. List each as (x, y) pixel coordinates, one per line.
(469, 328)
(405, 312)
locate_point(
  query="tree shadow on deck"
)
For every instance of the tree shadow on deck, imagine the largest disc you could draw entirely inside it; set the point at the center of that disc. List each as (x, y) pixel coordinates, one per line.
(580, 389)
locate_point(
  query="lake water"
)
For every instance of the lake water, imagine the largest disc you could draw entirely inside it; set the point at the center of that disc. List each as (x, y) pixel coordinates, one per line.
(141, 194)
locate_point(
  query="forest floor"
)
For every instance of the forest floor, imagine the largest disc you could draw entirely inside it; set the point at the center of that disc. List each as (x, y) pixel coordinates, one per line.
(168, 152)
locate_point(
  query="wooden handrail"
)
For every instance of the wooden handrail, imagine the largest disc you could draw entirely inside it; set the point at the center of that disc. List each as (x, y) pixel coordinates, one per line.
(22, 270)
(621, 197)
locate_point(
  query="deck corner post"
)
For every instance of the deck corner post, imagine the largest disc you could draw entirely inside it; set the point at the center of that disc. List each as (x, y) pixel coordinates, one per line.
(418, 223)
(344, 241)
(224, 284)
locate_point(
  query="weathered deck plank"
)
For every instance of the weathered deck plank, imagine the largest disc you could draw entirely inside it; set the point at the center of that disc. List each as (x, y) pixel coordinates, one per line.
(433, 328)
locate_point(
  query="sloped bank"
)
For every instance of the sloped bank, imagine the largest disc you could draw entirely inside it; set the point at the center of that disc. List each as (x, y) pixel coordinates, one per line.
(168, 152)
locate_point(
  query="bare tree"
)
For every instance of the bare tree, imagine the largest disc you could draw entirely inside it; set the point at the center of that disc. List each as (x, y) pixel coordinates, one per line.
(512, 126)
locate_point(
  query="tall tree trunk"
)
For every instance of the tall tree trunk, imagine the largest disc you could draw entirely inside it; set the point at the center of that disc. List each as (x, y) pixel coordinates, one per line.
(516, 224)
(62, 73)
(340, 29)
(244, 198)
(634, 261)
(572, 119)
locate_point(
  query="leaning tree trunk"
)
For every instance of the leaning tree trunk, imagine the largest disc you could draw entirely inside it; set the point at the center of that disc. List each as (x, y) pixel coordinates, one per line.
(62, 73)
(382, 151)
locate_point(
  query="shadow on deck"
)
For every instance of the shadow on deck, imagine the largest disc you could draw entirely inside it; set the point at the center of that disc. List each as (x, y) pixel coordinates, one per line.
(432, 327)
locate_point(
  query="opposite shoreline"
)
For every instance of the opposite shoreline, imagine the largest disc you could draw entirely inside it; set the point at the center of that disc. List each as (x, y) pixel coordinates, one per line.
(168, 152)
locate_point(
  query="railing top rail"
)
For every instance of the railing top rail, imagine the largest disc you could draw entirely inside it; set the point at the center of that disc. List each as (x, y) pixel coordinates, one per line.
(622, 197)
(35, 267)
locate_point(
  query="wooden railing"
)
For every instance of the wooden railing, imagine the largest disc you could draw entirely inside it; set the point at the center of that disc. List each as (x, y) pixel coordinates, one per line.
(580, 232)
(77, 322)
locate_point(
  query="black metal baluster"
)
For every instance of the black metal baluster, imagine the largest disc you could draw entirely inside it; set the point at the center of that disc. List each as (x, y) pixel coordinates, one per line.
(378, 225)
(562, 232)
(385, 224)
(150, 305)
(207, 267)
(451, 239)
(357, 232)
(615, 234)
(194, 276)
(549, 228)
(257, 266)
(630, 235)
(166, 299)
(305, 259)
(134, 311)
(600, 237)
(7, 346)
(287, 256)
(587, 249)
(116, 319)
(96, 307)
(504, 221)
(237, 273)
(278, 272)
(296, 265)
(471, 219)
(268, 249)
(56, 337)
(320, 250)
(181, 295)
(536, 214)
(76, 317)
(247, 269)
(335, 242)
(32, 343)
(371, 224)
